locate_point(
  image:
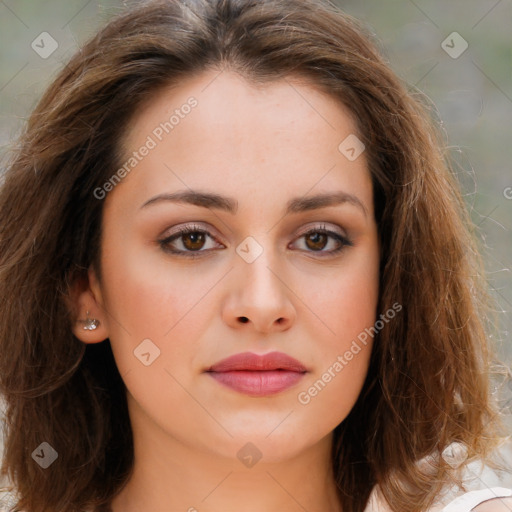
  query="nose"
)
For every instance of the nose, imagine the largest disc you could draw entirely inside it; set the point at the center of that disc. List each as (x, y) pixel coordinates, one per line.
(259, 298)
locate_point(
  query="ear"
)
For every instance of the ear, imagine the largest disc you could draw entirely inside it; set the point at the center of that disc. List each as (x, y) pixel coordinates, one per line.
(87, 303)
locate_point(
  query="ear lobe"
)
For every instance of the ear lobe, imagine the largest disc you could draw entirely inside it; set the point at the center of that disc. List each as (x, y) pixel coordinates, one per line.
(89, 318)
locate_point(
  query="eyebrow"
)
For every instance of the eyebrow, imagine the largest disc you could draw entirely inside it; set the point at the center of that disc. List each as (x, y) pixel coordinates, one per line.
(230, 205)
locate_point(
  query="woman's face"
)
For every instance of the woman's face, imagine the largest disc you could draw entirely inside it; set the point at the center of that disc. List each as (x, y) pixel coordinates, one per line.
(282, 257)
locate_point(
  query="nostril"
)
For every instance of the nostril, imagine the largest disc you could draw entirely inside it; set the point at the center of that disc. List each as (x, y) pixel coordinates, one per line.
(244, 319)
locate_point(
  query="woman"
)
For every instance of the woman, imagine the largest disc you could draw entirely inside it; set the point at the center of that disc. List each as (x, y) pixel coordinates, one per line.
(240, 277)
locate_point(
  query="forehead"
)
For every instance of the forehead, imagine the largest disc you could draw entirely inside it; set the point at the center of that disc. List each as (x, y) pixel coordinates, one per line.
(220, 132)
(225, 97)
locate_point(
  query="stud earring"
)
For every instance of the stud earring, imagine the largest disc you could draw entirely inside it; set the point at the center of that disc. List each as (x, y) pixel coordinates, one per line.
(89, 324)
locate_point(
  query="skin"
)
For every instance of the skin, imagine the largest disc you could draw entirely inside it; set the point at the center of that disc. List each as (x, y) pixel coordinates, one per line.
(261, 146)
(495, 505)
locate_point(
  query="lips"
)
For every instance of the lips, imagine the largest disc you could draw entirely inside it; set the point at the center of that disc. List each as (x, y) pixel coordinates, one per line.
(258, 375)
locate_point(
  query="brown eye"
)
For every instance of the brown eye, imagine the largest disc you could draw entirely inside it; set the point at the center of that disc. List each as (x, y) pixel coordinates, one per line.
(324, 242)
(190, 241)
(316, 241)
(193, 241)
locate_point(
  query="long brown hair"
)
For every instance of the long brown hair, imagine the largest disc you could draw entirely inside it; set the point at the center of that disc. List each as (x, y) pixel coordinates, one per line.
(427, 385)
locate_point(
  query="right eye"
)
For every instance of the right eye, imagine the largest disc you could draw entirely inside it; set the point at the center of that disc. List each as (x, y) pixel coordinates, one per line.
(188, 241)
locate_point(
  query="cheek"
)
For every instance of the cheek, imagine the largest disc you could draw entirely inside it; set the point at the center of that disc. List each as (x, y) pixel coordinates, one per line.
(348, 308)
(151, 299)
(348, 301)
(326, 400)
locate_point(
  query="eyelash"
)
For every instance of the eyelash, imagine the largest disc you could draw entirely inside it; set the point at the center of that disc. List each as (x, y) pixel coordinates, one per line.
(164, 243)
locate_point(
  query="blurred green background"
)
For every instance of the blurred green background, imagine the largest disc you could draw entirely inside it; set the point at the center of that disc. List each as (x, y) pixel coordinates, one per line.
(472, 92)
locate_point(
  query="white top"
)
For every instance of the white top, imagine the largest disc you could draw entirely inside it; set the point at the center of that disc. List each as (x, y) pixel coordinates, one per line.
(471, 499)
(464, 503)
(480, 484)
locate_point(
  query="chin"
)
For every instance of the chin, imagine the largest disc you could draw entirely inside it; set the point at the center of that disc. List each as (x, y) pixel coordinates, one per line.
(280, 445)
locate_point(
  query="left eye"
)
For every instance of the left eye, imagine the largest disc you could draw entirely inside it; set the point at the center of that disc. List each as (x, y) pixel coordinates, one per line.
(318, 239)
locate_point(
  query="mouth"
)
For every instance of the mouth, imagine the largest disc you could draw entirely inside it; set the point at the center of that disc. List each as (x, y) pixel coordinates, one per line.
(258, 375)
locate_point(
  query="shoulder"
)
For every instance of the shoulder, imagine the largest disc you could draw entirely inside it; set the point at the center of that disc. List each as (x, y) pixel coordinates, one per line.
(477, 486)
(486, 486)
(495, 505)
(495, 499)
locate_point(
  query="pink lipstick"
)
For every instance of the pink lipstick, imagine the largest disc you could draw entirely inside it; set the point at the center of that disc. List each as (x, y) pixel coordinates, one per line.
(258, 375)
